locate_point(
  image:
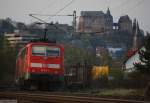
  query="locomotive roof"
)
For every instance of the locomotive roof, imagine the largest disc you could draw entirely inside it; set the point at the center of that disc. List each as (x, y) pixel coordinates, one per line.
(44, 40)
(42, 43)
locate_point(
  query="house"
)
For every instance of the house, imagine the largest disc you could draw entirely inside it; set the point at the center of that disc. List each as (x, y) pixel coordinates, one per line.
(129, 64)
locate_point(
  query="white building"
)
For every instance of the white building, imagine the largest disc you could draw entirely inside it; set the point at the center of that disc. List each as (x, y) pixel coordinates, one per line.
(129, 64)
(20, 39)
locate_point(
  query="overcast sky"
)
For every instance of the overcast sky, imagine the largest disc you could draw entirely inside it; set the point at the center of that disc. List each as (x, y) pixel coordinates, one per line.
(18, 10)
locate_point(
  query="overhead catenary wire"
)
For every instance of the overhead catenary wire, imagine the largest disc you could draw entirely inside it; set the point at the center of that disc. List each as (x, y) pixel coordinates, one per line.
(46, 23)
(123, 3)
(68, 4)
(43, 21)
(126, 3)
(131, 7)
(50, 4)
(50, 15)
(135, 6)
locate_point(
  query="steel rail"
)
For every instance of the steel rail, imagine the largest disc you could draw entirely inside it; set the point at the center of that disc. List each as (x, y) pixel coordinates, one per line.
(61, 98)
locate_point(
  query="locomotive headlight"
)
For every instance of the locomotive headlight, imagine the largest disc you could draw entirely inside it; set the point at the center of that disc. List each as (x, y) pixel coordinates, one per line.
(39, 65)
(57, 66)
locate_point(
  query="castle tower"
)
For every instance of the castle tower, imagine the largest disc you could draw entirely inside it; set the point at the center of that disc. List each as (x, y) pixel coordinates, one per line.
(108, 12)
(137, 36)
(135, 46)
(125, 24)
(109, 21)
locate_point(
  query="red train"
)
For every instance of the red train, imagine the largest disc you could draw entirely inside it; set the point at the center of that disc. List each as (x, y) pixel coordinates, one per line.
(40, 63)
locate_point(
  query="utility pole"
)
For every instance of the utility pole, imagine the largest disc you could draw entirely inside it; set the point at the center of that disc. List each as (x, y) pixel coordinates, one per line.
(74, 21)
(45, 33)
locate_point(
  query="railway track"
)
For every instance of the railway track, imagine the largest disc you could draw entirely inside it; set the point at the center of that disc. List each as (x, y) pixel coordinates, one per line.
(51, 98)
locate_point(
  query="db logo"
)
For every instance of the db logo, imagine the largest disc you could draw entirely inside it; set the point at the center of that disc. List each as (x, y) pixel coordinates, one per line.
(44, 65)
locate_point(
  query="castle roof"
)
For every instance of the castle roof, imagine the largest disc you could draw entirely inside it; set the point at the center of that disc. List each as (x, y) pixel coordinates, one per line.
(92, 13)
(124, 18)
(108, 11)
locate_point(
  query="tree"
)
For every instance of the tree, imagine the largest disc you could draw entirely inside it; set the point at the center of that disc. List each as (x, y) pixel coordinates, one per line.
(144, 56)
(75, 55)
(144, 66)
(7, 60)
(105, 59)
(6, 26)
(21, 26)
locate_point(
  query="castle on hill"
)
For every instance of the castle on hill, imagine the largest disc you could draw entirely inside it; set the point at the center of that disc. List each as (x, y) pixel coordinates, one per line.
(107, 34)
(100, 22)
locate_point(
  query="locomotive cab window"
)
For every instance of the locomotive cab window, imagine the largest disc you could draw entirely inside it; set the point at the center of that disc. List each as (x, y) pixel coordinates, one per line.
(45, 51)
(38, 50)
(52, 51)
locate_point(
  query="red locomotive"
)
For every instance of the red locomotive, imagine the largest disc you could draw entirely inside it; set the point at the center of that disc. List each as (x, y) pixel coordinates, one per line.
(40, 63)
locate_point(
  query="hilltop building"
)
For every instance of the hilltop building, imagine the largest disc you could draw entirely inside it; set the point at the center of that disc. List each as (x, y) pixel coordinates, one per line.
(100, 22)
(125, 24)
(95, 21)
(121, 36)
